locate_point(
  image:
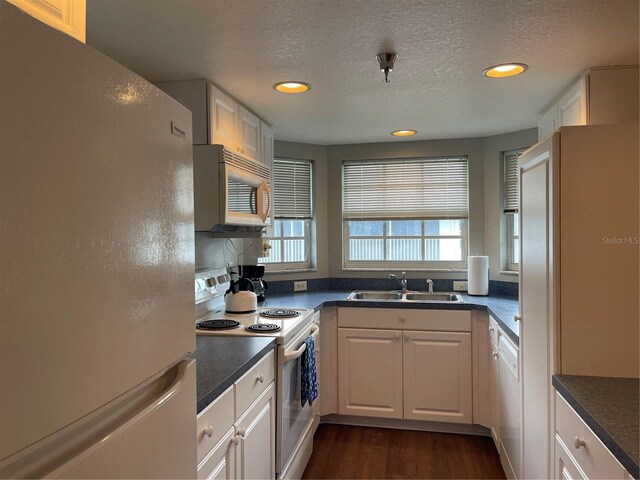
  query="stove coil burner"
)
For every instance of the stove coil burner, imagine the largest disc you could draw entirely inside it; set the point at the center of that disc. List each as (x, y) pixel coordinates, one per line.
(279, 313)
(263, 328)
(222, 324)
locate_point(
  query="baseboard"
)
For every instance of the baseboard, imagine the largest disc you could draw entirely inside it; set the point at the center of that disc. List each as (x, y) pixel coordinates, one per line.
(420, 425)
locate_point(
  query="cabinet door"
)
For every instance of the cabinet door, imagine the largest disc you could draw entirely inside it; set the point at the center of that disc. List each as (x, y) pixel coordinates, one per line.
(223, 119)
(548, 122)
(249, 134)
(257, 432)
(68, 16)
(572, 106)
(437, 376)
(370, 373)
(495, 395)
(266, 146)
(219, 464)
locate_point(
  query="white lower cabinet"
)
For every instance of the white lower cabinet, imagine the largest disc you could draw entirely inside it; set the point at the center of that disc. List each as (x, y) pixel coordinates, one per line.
(579, 452)
(256, 451)
(237, 432)
(441, 359)
(370, 372)
(404, 374)
(494, 394)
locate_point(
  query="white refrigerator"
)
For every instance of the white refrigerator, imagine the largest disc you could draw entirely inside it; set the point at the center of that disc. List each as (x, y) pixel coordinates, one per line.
(96, 265)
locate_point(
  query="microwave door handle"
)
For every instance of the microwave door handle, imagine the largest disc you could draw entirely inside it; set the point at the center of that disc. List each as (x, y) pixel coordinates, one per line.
(260, 193)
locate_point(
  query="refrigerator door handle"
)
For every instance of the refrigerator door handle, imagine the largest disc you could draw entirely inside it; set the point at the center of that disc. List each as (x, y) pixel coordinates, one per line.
(58, 454)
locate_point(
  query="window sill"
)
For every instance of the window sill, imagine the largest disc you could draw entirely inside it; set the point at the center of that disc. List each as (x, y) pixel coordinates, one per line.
(298, 270)
(393, 269)
(509, 272)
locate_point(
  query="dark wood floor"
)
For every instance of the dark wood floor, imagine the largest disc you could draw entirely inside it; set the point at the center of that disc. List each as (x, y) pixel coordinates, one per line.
(341, 451)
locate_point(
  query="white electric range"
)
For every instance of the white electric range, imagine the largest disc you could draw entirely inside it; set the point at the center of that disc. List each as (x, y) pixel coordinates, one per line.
(295, 422)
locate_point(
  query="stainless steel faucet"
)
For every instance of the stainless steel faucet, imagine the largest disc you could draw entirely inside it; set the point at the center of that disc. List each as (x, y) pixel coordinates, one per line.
(402, 281)
(430, 283)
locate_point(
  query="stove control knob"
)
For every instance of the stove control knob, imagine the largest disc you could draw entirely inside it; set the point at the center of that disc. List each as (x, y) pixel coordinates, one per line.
(212, 282)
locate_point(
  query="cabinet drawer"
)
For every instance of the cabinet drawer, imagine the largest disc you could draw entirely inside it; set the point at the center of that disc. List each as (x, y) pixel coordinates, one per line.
(254, 382)
(593, 458)
(214, 421)
(405, 319)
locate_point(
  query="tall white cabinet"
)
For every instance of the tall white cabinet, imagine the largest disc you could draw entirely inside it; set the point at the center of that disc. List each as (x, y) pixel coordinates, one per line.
(578, 204)
(68, 16)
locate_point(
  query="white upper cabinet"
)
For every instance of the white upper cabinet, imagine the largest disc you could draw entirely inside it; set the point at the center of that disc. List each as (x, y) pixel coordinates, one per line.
(218, 119)
(224, 116)
(249, 138)
(572, 106)
(266, 146)
(68, 16)
(599, 96)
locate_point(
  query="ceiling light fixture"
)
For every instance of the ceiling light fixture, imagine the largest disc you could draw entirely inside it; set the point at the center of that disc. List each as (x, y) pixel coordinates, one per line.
(505, 70)
(291, 87)
(386, 61)
(403, 133)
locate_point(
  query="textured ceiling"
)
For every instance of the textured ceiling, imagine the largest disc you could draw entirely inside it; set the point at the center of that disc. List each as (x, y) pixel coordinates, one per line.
(245, 46)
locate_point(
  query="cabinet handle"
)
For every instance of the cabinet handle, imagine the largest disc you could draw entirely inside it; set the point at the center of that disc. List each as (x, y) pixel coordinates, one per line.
(491, 329)
(517, 318)
(260, 378)
(578, 443)
(407, 337)
(494, 354)
(396, 337)
(242, 432)
(235, 440)
(208, 431)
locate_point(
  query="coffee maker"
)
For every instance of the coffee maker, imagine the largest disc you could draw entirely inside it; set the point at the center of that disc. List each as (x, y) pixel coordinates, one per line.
(254, 274)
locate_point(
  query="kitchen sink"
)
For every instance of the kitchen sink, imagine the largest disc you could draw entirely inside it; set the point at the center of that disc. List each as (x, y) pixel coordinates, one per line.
(432, 297)
(396, 296)
(373, 295)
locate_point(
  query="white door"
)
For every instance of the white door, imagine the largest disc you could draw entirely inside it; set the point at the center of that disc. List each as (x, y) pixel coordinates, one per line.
(370, 372)
(256, 454)
(223, 119)
(537, 337)
(437, 376)
(249, 138)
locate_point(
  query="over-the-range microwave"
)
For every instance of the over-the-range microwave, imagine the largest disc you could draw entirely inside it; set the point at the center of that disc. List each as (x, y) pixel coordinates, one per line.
(231, 191)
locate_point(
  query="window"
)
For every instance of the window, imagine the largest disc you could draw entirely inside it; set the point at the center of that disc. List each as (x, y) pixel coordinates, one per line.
(510, 203)
(291, 240)
(405, 213)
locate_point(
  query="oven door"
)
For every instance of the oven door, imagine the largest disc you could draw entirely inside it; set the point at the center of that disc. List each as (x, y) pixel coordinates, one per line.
(293, 419)
(245, 197)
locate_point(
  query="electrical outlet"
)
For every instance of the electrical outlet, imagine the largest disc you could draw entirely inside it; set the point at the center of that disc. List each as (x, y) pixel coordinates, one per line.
(300, 286)
(460, 286)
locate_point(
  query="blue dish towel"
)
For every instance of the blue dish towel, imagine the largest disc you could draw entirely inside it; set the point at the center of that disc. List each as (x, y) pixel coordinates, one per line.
(309, 384)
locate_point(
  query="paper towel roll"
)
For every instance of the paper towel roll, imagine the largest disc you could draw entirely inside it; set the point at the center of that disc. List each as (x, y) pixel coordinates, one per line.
(478, 275)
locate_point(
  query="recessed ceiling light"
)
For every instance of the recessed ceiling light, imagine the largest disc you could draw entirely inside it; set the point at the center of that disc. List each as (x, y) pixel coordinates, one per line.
(291, 87)
(505, 70)
(403, 133)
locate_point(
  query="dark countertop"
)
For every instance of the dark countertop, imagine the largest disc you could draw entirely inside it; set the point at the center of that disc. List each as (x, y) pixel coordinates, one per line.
(220, 361)
(609, 406)
(502, 309)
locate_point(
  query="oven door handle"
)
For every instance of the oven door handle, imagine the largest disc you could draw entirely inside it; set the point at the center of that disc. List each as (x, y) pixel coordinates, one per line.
(293, 354)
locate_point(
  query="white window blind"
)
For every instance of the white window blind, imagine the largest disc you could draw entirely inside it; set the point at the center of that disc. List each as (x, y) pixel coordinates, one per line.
(292, 188)
(510, 182)
(406, 189)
